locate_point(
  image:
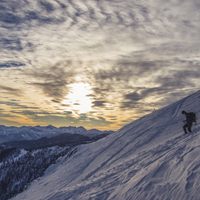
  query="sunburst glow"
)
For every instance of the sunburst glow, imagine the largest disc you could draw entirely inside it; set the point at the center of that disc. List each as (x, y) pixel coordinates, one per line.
(78, 98)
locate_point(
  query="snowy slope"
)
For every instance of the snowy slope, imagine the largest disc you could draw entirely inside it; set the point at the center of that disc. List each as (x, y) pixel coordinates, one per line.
(149, 158)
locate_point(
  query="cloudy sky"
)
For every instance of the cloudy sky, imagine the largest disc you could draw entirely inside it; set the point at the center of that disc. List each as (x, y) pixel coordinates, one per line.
(95, 63)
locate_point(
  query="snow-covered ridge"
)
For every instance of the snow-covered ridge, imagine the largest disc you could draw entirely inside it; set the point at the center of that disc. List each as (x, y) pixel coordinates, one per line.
(8, 134)
(19, 167)
(150, 158)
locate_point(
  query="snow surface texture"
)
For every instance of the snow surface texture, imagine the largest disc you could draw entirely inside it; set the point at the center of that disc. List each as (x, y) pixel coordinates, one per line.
(8, 134)
(150, 158)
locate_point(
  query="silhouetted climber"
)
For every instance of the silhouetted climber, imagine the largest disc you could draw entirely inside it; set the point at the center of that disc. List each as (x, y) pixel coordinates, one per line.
(190, 118)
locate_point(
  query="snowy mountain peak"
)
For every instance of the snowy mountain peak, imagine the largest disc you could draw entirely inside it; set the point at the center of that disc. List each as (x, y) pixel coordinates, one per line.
(149, 158)
(8, 134)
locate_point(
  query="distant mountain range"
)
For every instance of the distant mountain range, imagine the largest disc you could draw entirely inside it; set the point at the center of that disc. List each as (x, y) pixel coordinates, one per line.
(24, 133)
(66, 139)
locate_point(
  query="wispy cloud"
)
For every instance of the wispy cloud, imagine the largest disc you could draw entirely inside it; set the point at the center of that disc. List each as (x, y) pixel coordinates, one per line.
(16, 105)
(11, 90)
(99, 103)
(9, 64)
(53, 80)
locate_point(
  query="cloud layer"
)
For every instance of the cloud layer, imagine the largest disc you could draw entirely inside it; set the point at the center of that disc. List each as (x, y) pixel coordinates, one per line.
(136, 57)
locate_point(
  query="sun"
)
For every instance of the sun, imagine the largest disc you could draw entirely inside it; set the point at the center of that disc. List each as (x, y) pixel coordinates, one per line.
(79, 100)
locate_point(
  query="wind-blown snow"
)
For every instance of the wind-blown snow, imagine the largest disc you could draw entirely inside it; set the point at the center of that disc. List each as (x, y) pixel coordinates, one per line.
(149, 158)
